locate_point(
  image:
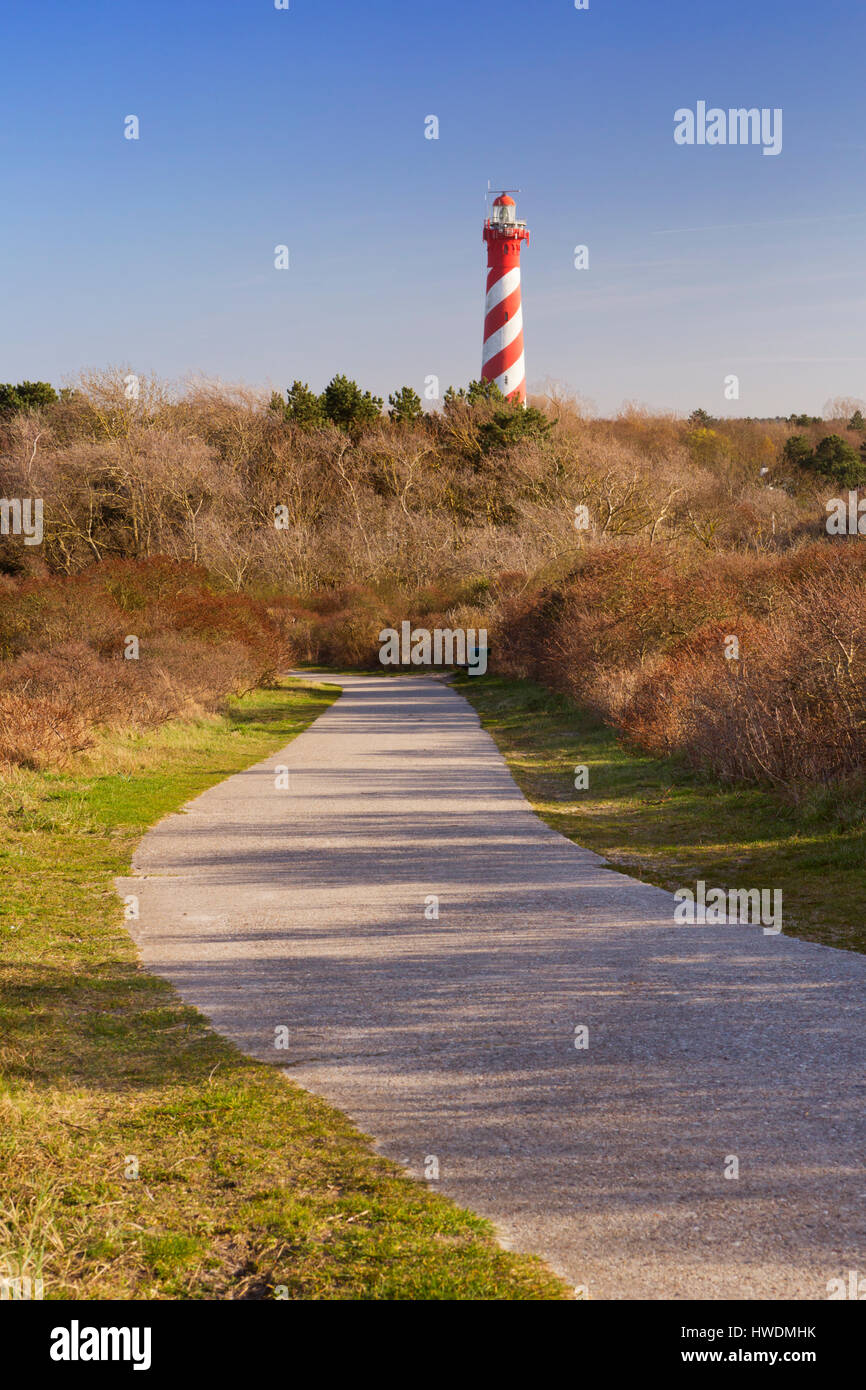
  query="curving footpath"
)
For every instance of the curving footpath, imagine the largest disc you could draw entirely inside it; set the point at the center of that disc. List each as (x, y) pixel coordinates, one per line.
(452, 1041)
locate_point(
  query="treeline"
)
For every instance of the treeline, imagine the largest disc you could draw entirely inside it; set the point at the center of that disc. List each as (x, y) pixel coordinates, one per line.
(224, 479)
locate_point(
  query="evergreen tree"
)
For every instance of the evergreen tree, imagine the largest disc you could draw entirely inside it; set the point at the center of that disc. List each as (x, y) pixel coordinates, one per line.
(304, 407)
(479, 391)
(27, 395)
(798, 450)
(837, 459)
(405, 406)
(509, 426)
(345, 404)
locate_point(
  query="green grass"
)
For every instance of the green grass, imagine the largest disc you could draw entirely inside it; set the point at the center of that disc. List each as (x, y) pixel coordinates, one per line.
(659, 821)
(246, 1186)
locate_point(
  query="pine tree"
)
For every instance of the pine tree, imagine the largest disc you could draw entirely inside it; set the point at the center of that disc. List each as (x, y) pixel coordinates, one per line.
(304, 407)
(405, 406)
(346, 405)
(27, 395)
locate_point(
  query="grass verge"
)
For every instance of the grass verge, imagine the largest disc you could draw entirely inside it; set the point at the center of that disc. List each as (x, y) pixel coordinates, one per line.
(659, 821)
(246, 1186)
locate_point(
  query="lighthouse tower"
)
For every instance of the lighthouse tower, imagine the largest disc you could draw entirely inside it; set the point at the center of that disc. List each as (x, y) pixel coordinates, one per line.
(502, 358)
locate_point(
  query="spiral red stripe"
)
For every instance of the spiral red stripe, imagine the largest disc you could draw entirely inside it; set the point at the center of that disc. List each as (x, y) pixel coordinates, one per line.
(503, 311)
(502, 359)
(499, 359)
(499, 365)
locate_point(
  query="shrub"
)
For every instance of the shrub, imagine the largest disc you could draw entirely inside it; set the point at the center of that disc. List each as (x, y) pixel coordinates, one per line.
(64, 670)
(27, 395)
(835, 458)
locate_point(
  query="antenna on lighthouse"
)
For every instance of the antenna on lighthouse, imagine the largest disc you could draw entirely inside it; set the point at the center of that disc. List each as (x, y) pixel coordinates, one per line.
(491, 188)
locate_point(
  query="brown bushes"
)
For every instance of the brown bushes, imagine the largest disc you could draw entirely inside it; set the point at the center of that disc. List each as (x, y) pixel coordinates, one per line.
(687, 542)
(754, 668)
(200, 477)
(66, 672)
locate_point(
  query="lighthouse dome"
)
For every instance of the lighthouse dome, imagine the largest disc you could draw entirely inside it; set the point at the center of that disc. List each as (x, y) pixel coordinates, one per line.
(504, 210)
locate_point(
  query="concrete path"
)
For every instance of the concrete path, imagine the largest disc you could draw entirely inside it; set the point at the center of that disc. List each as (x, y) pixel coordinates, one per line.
(453, 1040)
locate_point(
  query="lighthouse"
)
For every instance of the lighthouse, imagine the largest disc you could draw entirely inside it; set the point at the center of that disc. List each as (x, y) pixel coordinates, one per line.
(502, 357)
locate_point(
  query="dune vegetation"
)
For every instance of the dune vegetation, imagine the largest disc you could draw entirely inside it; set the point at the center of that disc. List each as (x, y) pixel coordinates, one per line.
(675, 576)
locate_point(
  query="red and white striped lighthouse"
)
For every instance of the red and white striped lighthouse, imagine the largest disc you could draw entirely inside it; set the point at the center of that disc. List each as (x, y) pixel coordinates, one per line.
(502, 357)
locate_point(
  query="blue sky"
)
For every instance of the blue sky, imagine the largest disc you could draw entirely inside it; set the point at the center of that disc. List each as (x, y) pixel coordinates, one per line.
(305, 127)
